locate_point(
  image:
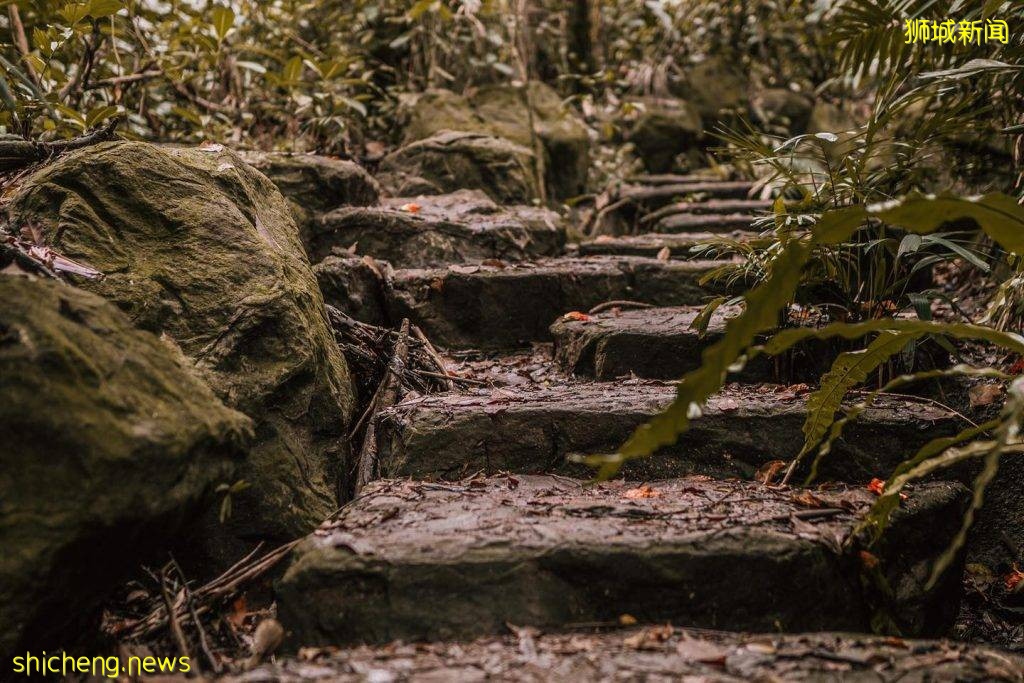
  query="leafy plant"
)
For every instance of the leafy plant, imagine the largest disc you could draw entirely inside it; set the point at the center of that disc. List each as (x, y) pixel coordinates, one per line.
(999, 216)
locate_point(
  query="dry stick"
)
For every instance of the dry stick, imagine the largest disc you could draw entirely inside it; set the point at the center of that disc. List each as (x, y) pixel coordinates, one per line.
(172, 618)
(451, 380)
(122, 80)
(434, 356)
(622, 303)
(204, 645)
(21, 41)
(387, 397)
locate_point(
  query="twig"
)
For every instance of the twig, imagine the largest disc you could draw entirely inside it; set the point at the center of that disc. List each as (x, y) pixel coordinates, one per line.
(21, 40)
(387, 396)
(204, 645)
(600, 308)
(123, 80)
(451, 378)
(434, 356)
(172, 618)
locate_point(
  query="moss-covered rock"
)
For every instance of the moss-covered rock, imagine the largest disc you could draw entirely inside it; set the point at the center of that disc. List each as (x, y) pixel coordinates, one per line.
(315, 185)
(109, 443)
(719, 90)
(664, 130)
(501, 111)
(453, 160)
(198, 245)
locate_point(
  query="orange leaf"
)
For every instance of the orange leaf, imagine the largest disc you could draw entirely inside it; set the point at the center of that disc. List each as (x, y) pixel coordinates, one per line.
(1012, 579)
(868, 560)
(410, 208)
(876, 486)
(576, 315)
(644, 491)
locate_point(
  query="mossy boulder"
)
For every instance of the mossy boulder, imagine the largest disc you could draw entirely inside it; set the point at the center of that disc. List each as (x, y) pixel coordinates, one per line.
(198, 245)
(110, 444)
(501, 111)
(315, 185)
(664, 129)
(455, 160)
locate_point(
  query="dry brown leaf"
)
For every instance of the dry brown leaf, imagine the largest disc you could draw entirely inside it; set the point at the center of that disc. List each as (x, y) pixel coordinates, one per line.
(664, 254)
(768, 471)
(984, 394)
(644, 491)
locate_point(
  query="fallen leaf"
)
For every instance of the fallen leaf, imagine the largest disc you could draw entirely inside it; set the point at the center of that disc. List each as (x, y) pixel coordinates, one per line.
(576, 315)
(664, 254)
(494, 263)
(701, 651)
(876, 486)
(868, 560)
(1013, 579)
(984, 394)
(211, 147)
(644, 491)
(1017, 368)
(650, 638)
(808, 499)
(627, 620)
(768, 471)
(238, 612)
(410, 208)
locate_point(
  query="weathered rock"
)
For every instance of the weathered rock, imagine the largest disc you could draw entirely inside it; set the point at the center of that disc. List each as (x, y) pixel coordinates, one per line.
(429, 231)
(357, 286)
(315, 185)
(709, 222)
(783, 107)
(534, 430)
(664, 130)
(656, 653)
(487, 306)
(418, 561)
(451, 161)
(110, 443)
(630, 206)
(719, 90)
(198, 245)
(500, 111)
(680, 245)
(655, 343)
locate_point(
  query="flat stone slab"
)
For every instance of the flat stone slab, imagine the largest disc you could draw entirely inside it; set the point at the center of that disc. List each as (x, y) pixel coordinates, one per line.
(507, 306)
(704, 222)
(679, 245)
(532, 430)
(416, 561)
(652, 343)
(657, 653)
(714, 206)
(418, 232)
(663, 194)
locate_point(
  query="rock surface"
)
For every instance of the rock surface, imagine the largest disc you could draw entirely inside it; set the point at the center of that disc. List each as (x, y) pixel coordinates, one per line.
(679, 245)
(500, 111)
(110, 444)
(656, 653)
(664, 130)
(417, 561)
(534, 429)
(357, 286)
(653, 343)
(464, 226)
(197, 245)
(315, 185)
(452, 160)
(488, 306)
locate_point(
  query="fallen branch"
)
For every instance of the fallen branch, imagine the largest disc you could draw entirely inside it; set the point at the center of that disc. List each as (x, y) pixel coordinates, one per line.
(17, 154)
(607, 305)
(387, 395)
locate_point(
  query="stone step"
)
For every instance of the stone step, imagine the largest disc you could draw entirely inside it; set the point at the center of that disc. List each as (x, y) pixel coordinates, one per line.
(418, 232)
(417, 561)
(713, 206)
(654, 653)
(506, 306)
(658, 196)
(710, 222)
(651, 244)
(652, 343)
(532, 430)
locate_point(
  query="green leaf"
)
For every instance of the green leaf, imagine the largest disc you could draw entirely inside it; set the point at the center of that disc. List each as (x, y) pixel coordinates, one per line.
(848, 370)
(222, 19)
(104, 8)
(74, 12)
(292, 70)
(98, 115)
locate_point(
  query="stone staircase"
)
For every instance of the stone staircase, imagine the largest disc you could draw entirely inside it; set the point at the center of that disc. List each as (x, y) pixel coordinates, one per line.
(481, 535)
